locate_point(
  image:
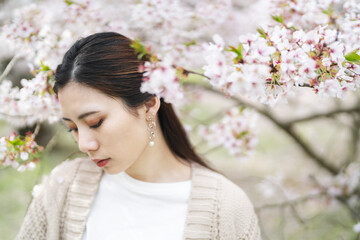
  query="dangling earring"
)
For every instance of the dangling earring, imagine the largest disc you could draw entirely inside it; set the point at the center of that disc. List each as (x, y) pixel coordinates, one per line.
(151, 129)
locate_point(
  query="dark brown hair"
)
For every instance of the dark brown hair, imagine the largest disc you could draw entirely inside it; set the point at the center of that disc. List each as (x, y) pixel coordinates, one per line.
(105, 61)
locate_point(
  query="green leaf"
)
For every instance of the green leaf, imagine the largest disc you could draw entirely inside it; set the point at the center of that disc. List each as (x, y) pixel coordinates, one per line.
(353, 56)
(242, 108)
(328, 11)
(44, 67)
(278, 19)
(69, 2)
(193, 42)
(261, 32)
(139, 48)
(237, 51)
(242, 134)
(16, 142)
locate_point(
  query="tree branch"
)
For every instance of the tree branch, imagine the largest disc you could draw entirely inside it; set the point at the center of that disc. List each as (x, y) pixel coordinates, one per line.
(283, 193)
(290, 202)
(13, 116)
(8, 68)
(288, 129)
(327, 114)
(37, 129)
(341, 199)
(187, 72)
(353, 141)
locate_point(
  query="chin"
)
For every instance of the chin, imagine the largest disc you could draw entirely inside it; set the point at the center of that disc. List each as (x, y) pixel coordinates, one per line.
(111, 170)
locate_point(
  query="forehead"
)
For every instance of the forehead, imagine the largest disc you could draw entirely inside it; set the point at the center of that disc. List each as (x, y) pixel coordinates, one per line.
(77, 98)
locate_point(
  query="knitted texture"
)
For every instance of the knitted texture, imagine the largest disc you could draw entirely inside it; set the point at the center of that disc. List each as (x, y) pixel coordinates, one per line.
(218, 209)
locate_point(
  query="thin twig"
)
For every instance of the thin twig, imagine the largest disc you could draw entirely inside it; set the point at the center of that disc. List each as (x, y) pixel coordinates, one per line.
(211, 150)
(9, 67)
(341, 199)
(290, 202)
(321, 115)
(14, 116)
(282, 224)
(353, 141)
(186, 71)
(37, 129)
(213, 117)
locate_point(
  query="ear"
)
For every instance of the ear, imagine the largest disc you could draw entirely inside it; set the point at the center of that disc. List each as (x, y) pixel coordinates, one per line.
(152, 106)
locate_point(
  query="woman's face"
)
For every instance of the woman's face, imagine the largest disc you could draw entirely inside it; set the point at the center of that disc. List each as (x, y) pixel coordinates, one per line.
(102, 127)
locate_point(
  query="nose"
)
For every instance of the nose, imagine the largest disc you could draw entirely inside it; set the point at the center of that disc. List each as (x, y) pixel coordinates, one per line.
(87, 143)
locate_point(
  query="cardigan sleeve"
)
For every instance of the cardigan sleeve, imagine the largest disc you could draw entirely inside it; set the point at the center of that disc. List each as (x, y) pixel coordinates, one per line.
(34, 225)
(42, 220)
(238, 219)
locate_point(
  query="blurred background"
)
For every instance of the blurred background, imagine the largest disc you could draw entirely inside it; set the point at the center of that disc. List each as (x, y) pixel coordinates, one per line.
(294, 195)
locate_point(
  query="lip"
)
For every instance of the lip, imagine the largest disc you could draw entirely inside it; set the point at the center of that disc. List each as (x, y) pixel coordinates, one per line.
(101, 162)
(98, 160)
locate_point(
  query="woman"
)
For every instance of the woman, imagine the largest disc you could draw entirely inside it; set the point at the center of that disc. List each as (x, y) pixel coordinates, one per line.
(141, 178)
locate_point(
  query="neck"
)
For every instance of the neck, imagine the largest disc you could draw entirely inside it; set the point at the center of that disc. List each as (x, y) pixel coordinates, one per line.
(159, 164)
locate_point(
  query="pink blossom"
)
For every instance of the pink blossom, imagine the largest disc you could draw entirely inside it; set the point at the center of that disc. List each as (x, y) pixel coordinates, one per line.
(235, 132)
(160, 78)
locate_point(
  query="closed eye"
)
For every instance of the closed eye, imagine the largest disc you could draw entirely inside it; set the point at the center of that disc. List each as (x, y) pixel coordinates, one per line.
(97, 125)
(93, 126)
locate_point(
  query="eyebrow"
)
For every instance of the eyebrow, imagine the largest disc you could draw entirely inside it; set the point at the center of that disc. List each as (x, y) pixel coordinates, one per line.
(81, 116)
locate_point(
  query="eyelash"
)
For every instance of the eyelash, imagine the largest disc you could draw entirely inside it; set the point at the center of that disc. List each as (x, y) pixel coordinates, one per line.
(93, 126)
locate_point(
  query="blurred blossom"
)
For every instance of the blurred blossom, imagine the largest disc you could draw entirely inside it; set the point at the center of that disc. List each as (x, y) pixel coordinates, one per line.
(345, 183)
(235, 132)
(19, 152)
(266, 188)
(36, 190)
(24, 156)
(32, 103)
(275, 185)
(357, 227)
(60, 179)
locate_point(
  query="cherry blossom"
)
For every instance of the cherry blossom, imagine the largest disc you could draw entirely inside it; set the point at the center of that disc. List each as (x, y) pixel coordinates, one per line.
(307, 44)
(33, 102)
(18, 152)
(160, 78)
(314, 44)
(235, 132)
(293, 58)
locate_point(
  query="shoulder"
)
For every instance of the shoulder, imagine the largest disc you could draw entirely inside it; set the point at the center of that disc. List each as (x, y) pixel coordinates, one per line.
(67, 167)
(234, 196)
(70, 167)
(235, 210)
(61, 177)
(228, 191)
(66, 170)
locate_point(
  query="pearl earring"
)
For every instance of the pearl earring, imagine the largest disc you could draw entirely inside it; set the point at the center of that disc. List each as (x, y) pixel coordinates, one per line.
(151, 129)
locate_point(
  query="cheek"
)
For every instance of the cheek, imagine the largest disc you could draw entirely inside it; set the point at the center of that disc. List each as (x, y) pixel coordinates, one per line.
(127, 138)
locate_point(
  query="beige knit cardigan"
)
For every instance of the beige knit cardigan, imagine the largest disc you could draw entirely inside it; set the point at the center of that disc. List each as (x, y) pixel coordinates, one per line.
(218, 209)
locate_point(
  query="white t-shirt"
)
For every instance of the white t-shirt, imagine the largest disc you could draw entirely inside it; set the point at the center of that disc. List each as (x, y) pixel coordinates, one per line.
(127, 208)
